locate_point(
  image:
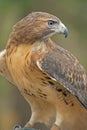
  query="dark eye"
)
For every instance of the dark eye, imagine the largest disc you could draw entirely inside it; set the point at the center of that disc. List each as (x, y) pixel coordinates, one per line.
(51, 22)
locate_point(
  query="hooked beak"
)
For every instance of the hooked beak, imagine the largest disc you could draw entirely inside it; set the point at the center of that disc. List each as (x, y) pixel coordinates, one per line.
(62, 29)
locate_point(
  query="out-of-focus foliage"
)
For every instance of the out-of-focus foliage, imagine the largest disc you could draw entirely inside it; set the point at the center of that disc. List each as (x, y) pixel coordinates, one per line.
(13, 108)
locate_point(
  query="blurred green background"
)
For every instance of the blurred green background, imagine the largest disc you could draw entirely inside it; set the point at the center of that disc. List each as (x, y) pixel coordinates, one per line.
(13, 107)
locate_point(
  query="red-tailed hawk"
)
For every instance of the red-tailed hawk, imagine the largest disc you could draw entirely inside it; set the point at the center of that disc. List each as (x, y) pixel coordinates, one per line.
(49, 77)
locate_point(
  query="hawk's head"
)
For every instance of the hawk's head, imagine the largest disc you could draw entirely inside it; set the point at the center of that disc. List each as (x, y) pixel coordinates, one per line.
(37, 26)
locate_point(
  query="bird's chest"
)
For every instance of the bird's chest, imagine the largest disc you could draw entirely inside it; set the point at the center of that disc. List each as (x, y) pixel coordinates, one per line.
(27, 76)
(30, 80)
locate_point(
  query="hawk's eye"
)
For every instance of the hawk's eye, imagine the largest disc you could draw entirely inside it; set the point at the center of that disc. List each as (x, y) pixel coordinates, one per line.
(51, 22)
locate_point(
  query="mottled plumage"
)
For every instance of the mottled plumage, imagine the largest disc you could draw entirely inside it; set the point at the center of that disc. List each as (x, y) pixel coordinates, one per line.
(65, 68)
(48, 76)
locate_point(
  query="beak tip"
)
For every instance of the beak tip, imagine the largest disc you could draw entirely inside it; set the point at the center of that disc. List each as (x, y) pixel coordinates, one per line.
(66, 32)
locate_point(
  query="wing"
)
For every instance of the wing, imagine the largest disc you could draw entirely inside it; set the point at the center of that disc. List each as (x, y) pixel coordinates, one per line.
(63, 67)
(4, 69)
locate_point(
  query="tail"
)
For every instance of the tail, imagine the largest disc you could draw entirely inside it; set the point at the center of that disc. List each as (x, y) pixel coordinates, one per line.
(79, 123)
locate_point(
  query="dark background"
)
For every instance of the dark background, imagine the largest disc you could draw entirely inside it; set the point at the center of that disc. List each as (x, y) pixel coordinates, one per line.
(13, 107)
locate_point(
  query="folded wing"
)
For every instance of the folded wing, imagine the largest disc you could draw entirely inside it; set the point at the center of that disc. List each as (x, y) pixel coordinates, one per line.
(3, 67)
(63, 67)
